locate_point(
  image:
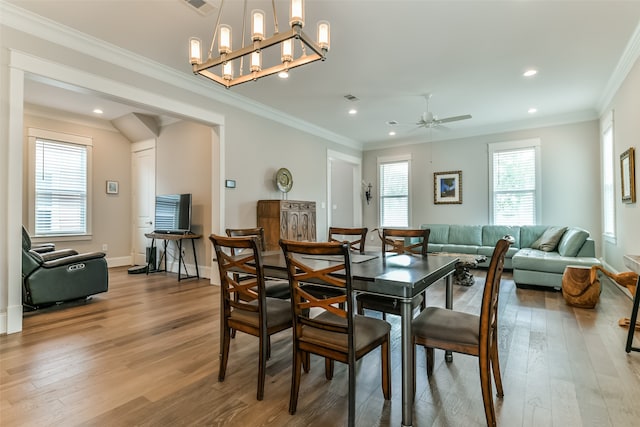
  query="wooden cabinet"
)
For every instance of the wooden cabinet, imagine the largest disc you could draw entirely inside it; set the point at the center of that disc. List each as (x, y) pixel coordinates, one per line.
(286, 219)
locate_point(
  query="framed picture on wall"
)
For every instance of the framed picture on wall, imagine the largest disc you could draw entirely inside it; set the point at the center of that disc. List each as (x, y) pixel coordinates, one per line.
(447, 187)
(627, 169)
(112, 187)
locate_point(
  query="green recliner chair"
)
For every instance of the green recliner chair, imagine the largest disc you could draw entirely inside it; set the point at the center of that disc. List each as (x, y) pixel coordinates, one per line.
(52, 276)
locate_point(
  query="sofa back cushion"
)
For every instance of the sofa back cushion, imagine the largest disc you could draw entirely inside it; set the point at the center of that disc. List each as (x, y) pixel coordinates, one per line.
(572, 241)
(465, 234)
(492, 233)
(439, 233)
(530, 233)
(549, 240)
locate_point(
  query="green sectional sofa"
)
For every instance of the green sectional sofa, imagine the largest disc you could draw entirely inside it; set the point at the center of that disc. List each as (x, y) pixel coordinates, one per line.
(531, 265)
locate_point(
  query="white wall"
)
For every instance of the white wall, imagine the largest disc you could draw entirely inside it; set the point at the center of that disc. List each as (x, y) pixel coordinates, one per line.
(570, 177)
(626, 106)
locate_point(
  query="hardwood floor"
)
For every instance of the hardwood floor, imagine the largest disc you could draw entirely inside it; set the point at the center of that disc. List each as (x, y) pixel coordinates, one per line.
(146, 354)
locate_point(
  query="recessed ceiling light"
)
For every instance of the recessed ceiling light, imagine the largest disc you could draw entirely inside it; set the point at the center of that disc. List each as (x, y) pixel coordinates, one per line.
(283, 74)
(97, 111)
(532, 110)
(392, 133)
(530, 73)
(353, 111)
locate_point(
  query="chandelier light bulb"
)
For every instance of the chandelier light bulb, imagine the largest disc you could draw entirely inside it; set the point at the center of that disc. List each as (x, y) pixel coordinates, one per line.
(227, 71)
(296, 15)
(256, 61)
(257, 25)
(287, 51)
(224, 39)
(324, 35)
(195, 50)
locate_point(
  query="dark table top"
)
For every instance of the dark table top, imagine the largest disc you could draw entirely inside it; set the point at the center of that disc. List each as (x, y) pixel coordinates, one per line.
(403, 276)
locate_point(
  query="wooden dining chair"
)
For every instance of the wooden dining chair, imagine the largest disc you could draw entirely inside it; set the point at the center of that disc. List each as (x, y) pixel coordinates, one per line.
(395, 241)
(467, 333)
(275, 288)
(253, 312)
(335, 333)
(338, 234)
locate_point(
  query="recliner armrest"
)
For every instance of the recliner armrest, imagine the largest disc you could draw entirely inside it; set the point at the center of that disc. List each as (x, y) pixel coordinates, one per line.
(44, 248)
(73, 259)
(48, 256)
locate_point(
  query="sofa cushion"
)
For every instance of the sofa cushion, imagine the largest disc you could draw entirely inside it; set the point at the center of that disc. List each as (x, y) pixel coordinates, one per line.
(572, 241)
(488, 251)
(550, 262)
(530, 233)
(465, 235)
(439, 233)
(460, 249)
(492, 233)
(549, 239)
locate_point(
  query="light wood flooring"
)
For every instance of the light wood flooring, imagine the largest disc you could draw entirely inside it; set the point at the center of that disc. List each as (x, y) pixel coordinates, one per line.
(146, 354)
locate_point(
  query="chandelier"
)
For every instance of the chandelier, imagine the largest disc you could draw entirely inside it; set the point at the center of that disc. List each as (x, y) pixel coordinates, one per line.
(310, 51)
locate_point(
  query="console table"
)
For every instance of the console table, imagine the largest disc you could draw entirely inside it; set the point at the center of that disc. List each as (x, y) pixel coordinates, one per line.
(178, 238)
(633, 263)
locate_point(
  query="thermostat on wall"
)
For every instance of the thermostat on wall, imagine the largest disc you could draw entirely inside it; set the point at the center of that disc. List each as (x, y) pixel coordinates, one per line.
(230, 183)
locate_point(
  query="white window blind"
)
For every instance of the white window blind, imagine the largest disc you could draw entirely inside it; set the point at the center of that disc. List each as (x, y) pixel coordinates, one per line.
(394, 194)
(608, 194)
(60, 188)
(515, 191)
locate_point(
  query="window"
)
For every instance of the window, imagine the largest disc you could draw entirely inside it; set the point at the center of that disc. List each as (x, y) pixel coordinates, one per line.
(394, 191)
(59, 183)
(514, 182)
(608, 194)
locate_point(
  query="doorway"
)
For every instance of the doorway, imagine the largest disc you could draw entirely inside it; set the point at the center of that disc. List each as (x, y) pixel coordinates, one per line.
(344, 197)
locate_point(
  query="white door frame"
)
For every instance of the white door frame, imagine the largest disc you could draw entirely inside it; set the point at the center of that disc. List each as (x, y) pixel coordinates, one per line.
(356, 163)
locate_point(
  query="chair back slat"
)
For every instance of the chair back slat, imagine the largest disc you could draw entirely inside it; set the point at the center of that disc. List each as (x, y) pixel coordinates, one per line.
(393, 240)
(303, 268)
(337, 234)
(248, 262)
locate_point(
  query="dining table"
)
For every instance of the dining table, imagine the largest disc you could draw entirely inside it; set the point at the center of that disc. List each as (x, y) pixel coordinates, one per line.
(400, 276)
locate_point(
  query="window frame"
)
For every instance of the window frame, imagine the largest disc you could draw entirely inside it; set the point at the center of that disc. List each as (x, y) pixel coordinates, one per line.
(514, 146)
(403, 158)
(607, 156)
(33, 134)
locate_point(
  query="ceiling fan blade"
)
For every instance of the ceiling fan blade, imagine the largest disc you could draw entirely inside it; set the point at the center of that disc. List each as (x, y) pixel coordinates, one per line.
(454, 118)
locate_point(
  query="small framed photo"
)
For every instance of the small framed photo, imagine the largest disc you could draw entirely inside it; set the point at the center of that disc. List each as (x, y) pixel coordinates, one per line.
(627, 169)
(447, 188)
(112, 187)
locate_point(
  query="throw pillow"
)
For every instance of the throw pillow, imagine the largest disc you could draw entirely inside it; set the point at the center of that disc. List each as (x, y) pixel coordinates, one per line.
(572, 241)
(549, 239)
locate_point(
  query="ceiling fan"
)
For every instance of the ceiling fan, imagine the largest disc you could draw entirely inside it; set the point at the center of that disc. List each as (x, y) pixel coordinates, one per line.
(429, 121)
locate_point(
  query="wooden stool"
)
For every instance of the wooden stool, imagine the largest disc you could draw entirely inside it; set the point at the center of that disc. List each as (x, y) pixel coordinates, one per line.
(577, 288)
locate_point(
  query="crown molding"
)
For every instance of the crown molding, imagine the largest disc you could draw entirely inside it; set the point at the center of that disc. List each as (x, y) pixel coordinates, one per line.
(627, 60)
(52, 31)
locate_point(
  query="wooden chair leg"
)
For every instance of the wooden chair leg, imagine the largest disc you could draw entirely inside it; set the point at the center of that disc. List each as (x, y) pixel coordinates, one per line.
(328, 368)
(495, 365)
(262, 365)
(487, 398)
(306, 362)
(268, 347)
(430, 360)
(385, 353)
(224, 352)
(295, 380)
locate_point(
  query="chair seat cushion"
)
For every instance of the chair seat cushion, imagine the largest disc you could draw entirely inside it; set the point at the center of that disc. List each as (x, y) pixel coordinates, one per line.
(384, 304)
(278, 313)
(366, 331)
(447, 325)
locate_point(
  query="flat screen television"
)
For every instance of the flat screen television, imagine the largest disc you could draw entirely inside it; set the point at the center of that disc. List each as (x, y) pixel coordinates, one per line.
(173, 214)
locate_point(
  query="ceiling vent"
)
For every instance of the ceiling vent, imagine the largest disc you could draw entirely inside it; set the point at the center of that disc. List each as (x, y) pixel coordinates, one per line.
(200, 6)
(350, 97)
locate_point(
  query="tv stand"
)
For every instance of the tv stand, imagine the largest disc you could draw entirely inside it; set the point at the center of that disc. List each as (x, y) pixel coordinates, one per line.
(178, 238)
